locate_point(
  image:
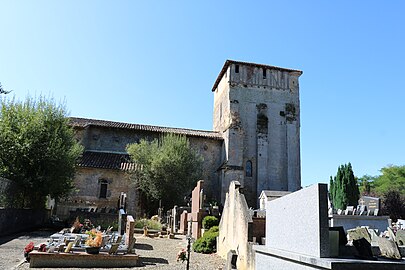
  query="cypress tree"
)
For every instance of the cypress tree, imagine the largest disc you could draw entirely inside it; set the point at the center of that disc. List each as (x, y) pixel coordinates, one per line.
(344, 189)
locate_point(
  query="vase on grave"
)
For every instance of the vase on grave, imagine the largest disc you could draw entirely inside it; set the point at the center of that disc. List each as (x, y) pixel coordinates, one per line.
(93, 250)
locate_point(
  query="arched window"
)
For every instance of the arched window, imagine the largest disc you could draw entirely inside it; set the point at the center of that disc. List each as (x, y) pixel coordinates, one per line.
(103, 189)
(248, 169)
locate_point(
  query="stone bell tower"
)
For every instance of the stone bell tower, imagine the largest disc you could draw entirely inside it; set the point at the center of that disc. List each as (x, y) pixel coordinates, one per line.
(257, 110)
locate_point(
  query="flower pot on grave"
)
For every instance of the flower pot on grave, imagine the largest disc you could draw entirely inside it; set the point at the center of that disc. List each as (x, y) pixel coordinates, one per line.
(93, 250)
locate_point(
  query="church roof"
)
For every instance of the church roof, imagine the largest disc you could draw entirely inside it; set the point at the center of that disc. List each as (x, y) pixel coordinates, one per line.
(85, 122)
(106, 160)
(229, 62)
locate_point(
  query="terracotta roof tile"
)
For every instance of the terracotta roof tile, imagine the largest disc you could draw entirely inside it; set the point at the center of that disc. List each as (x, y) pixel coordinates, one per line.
(103, 160)
(84, 122)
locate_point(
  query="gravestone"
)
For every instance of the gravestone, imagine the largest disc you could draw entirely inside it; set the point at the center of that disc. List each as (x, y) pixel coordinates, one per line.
(196, 209)
(371, 203)
(183, 223)
(174, 214)
(401, 224)
(121, 217)
(374, 237)
(388, 248)
(308, 205)
(129, 231)
(358, 233)
(400, 237)
(363, 248)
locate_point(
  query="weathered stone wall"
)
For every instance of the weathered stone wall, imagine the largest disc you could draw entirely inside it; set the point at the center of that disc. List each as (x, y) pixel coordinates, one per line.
(87, 192)
(234, 228)
(20, 220)
(259, 116)
(105, 139)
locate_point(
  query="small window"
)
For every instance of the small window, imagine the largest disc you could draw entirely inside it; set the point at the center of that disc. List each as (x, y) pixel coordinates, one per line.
(248, 169)
(103, 189)
(220, 111)
(236, 68)
(264, 73)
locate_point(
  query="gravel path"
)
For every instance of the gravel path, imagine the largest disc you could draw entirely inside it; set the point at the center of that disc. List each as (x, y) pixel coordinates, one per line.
(155, 253)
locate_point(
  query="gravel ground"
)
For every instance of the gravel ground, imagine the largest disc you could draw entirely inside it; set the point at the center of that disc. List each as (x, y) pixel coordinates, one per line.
(155, 253)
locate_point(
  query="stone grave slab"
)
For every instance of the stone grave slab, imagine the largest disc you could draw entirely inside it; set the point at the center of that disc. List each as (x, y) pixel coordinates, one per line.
(358, 233)
(388, 248)
(81, 260)
(400, 237)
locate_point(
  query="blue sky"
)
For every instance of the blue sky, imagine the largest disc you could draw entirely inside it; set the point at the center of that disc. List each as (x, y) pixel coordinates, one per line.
(154, 62)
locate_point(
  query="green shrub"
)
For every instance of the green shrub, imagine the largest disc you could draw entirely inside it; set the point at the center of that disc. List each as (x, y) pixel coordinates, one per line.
(210, 221)
(151, 224)
(208, 242)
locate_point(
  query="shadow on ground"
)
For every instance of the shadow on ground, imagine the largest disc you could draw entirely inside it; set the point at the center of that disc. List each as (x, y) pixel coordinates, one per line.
(26, 235)
(143, 246)
(152, 261)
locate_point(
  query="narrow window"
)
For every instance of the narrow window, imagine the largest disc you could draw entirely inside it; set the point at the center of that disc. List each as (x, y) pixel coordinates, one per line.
(248, 169)
(236, 68)
(220, 111)
(103, 189)
(264, 73)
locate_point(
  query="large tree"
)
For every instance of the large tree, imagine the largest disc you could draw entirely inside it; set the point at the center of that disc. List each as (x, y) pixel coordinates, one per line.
(38, 151)
(392, 178)
(167, 169)
(343, 187)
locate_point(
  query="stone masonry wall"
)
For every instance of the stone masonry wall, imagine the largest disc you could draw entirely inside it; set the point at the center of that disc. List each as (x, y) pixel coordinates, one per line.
(260, 121)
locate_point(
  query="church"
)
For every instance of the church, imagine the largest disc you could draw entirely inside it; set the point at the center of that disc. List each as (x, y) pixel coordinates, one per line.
(255, 140)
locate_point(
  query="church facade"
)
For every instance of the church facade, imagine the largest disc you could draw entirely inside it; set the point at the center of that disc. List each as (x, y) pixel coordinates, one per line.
(255, 140)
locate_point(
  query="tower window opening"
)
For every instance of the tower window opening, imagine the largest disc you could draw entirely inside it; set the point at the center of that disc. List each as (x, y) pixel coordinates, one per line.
(236, 68)
(264, 73)
(248, 169)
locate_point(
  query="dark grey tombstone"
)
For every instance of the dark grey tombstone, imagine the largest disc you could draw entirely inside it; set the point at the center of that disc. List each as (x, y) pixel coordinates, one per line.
(232, 257)
(371, 203)
(342, 235)
(363, 248)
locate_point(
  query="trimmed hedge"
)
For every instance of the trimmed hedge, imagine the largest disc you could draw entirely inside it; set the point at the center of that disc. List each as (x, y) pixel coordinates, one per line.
(208, 242)
(210, 221)
(150, 223)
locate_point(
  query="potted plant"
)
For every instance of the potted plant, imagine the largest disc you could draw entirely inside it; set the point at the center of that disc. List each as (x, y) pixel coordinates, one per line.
(93, 242)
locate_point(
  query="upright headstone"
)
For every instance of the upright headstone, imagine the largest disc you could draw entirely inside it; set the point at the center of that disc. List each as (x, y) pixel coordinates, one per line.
(183, 222)
(174, 214)
(129, 231)
(196, 210)
(371, 203)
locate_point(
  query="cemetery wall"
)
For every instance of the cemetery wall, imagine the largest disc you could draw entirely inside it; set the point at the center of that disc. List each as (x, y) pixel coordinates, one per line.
(19, 220)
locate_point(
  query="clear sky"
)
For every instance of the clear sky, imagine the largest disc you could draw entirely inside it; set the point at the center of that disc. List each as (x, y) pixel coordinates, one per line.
(154, 62)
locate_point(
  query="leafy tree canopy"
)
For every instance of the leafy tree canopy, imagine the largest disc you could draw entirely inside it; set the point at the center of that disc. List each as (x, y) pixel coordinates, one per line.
(392, 178)
(168, 168)
(38, 151)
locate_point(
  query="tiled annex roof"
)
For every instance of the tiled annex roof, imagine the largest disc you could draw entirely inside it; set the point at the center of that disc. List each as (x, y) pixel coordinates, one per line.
(105, 160)
(85, 122)
(229, 62)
